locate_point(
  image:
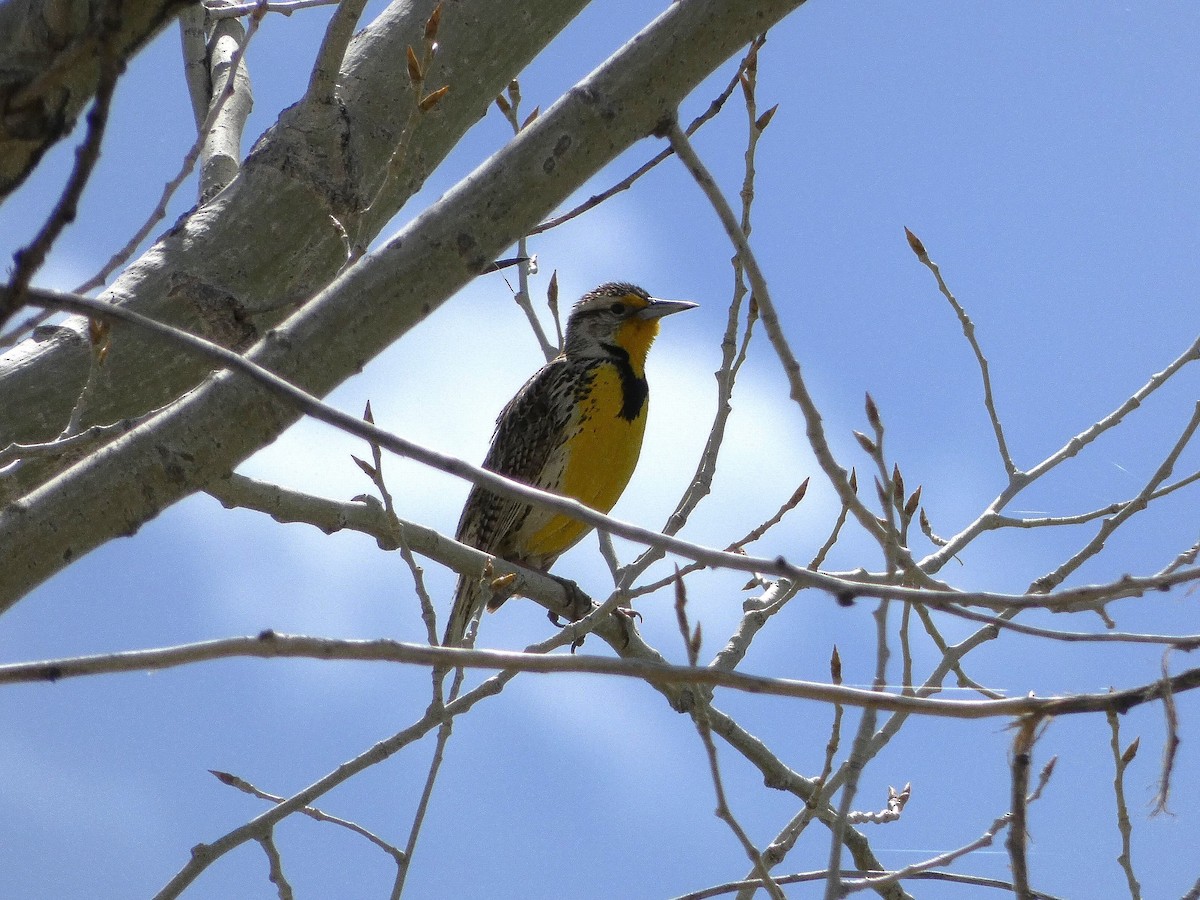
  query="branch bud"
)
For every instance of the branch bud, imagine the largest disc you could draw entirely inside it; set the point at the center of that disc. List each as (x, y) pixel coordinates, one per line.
(915, 243)
(430, 100)
(865, 442)
(765, 119)
(1130, 752)
(431, 25)
(872, 413)
(911, 506)
(415, 75)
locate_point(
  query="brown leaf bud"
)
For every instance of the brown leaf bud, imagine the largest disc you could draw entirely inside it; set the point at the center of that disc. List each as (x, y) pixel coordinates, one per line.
(872, 412)
(765, 119)
(415, 75)
(429, 101)
(911, 506)
(431, 25)
(1130, 752)
(915, 243)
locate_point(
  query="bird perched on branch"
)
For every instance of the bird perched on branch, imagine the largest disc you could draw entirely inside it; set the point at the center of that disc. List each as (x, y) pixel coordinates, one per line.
(575, 428)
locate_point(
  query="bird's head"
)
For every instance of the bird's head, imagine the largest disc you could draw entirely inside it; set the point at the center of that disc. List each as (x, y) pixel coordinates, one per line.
(617, 317)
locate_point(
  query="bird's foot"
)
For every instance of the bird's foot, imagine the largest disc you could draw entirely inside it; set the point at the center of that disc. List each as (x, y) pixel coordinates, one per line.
(576, 605)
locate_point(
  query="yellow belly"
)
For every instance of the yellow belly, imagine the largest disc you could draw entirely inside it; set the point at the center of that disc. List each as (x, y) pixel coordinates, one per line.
(599, 458)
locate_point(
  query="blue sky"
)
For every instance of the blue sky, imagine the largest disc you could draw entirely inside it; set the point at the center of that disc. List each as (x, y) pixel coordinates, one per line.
(1046, 155)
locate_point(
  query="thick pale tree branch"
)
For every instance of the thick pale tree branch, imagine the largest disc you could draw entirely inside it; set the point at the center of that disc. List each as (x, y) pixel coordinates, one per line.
(236, 267)
(381, 297)
(221, 156)
(52, 55)
(50, 518)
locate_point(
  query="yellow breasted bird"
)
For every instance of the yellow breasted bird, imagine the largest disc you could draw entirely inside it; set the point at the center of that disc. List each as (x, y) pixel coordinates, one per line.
(575, 428)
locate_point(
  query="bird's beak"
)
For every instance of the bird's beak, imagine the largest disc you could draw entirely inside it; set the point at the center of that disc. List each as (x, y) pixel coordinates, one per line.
(659, 308)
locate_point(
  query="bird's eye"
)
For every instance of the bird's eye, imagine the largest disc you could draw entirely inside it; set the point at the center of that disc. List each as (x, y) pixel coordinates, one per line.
(617, 308)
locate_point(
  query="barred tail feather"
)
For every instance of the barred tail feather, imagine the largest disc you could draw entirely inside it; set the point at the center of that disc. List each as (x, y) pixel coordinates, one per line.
(468, 599)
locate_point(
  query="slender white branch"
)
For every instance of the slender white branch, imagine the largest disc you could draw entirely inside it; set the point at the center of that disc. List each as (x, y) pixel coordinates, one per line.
(936, 560)
(845, 589)
(968, 328)
(815, 429)
(221, 155)
(1136, 505)
(218, 10)
(270, 644)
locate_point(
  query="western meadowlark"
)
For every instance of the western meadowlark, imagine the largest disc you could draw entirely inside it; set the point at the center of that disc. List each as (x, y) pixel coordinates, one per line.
(575, 428)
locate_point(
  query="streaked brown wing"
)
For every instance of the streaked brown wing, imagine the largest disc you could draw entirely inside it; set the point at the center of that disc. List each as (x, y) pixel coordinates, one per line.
(528, 430)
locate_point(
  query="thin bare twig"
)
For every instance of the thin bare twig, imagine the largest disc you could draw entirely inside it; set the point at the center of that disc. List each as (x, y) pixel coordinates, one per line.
(435, 766)
(837, 476)
(185, 169)
(819, 559)
(1018, 834)
(1002, 521)
(860, 754)
(1004, 621)
(964, 680)
(691, 641)
(283, 889)
(422, 102)
(1018, 482)
(30, 258)
(844, 589)
(754, 534)
(732, 356)
(1186, 558)
(218, 10)
(271, 645)
(1170, 743)
(791, 503)
(627, 182)
(751, 884)
(783, 843)
(1121, 760)
(968, 328)
(944, 859)
(511, 110)
(312, 812)
(1108, 526)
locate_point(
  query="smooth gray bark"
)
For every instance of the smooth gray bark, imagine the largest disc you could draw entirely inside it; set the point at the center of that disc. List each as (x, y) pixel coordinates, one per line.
(236, 267)
(205, 434)
(50, 62)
